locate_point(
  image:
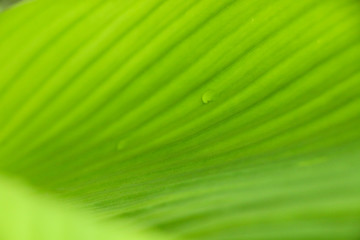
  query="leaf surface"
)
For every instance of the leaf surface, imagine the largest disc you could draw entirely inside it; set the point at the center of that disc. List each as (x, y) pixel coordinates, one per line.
(201, 119)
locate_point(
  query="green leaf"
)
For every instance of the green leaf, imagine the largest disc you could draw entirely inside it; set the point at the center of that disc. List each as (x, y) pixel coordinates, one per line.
(199, 119)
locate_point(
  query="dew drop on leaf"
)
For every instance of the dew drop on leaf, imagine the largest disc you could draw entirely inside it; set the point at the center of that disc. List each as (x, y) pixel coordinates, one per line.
(207, 97)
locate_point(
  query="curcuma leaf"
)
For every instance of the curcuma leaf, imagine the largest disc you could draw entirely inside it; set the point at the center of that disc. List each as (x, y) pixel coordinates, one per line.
(206, 119)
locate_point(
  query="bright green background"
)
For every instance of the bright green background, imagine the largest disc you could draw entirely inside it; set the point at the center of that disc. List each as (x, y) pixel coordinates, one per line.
(189, 119)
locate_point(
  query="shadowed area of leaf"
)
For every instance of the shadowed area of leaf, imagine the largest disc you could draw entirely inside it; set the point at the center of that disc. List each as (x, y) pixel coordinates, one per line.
(4, 4)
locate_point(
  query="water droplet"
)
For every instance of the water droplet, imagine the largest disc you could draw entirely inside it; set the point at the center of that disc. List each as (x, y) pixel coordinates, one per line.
(121, 145)
(208, 97)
